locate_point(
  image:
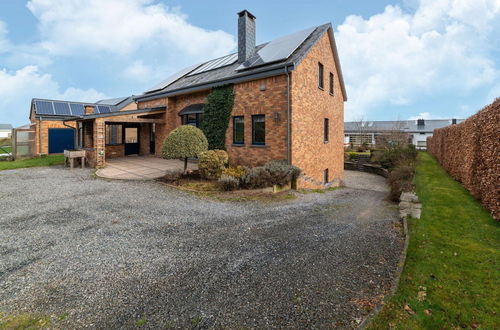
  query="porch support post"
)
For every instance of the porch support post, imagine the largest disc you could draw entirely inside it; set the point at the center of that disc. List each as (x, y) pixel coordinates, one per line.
(99, 142)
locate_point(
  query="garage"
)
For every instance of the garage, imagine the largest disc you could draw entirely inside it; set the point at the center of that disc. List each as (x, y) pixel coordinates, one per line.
(60, 139)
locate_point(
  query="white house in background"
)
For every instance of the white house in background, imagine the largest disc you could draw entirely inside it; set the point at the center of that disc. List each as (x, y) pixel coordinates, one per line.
(5, 130)
(357, 133)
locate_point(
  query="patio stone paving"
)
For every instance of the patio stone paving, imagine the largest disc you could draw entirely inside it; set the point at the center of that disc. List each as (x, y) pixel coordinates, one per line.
(140, 167)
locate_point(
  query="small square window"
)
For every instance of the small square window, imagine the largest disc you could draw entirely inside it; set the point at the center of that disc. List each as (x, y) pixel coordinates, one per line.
(320, 76)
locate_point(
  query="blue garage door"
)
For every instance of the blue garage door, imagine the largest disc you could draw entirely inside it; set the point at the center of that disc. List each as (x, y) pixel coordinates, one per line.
(60, 139)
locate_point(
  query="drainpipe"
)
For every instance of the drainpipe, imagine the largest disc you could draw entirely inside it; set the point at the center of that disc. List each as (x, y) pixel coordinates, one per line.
(289, 119)
(40, 137)
(74, 135)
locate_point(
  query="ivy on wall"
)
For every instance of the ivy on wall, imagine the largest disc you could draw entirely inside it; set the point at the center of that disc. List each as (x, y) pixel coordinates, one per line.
(217, 112)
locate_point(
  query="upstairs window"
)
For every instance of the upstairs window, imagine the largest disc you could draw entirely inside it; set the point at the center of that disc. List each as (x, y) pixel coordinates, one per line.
(238, 130)
(320, 76)
(326, 129)
(258, 130)
(331, 83)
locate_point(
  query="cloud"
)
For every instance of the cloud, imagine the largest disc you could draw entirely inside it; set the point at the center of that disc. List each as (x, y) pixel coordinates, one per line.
(422, 115)
(396, 58)
(17, 88)
(122, 27)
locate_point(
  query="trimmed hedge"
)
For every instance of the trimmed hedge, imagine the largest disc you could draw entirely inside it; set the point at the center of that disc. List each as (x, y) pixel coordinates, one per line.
(470, 153)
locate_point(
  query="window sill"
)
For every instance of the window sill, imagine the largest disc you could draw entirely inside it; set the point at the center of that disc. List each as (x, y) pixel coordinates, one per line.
(322, 88)
(258, 146)
(238, 145)
(331, 94)
(326, 142)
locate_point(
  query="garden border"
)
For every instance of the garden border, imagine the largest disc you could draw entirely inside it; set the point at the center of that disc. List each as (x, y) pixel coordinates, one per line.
(395, 282)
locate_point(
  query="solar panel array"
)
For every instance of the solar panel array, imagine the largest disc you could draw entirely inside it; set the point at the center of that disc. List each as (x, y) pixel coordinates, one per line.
(58, 108)
(277, 50)
(176, 76)
(215, 64)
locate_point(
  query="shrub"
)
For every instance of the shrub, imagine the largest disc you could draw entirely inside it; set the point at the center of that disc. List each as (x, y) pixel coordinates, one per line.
(228, 182)
(184, 142)
(211, 163)
(400, 180)
(389, 158)
(235, 171)
(257, 177)
(280, 172)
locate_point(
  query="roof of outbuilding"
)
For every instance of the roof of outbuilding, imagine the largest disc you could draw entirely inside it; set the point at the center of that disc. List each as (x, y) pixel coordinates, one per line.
(405, 125)
(119, 102)
(5, 126)
(225, 74)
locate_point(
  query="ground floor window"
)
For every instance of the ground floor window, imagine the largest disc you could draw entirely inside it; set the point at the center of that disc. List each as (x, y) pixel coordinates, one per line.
(325, 176)
(238, 130)
(193, 119)
(114, 134)
(259, 129)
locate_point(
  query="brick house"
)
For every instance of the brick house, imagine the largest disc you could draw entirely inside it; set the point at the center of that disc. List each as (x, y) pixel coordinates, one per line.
(289, 104)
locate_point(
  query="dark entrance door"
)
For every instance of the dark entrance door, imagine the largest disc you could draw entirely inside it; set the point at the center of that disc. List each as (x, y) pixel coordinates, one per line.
(60, 139)
(131, 140)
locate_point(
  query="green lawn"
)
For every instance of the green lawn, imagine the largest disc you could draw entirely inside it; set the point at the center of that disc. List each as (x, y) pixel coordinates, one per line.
(451, 278)
(4, 150)
(38, 161)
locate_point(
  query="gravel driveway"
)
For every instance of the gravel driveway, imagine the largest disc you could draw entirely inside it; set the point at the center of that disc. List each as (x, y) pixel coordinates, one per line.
(117, 254)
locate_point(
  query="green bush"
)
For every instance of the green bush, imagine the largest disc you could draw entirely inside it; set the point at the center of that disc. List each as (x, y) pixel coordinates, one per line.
(256, 177)
(184, 142)
(281, 173)
(389, 158)
(211, 163)
(228, 182)
(217, 113)
(400, 180)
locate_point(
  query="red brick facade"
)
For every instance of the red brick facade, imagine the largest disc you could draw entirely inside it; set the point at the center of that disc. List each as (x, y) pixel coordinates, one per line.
(310, 105)
(42, 133)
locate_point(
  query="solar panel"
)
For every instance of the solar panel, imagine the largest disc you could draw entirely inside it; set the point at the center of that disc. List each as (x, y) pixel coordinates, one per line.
(277, 50)
(104, 109)
(44, 108)
(215, 64)
(77, 109)
(62, 108)
(176, 76)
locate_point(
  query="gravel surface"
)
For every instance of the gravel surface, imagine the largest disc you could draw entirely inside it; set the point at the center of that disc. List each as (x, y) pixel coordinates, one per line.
(110, 253)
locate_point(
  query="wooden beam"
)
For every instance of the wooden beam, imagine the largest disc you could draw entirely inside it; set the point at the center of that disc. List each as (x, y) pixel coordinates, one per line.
(134, 120)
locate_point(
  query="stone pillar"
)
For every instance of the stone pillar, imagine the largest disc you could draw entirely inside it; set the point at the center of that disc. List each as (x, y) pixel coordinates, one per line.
(99, 142)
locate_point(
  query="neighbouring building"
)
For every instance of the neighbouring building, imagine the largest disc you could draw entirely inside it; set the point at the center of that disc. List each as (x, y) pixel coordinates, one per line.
(5, 130)
(289, 104)
(371, 132)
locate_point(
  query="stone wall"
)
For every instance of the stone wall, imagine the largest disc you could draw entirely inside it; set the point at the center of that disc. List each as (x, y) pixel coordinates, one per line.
(310, 106)
(470, 153)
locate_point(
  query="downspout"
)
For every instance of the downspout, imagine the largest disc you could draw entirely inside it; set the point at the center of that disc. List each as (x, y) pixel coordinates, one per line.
(74, 135)
(289, 119)
(40, 137)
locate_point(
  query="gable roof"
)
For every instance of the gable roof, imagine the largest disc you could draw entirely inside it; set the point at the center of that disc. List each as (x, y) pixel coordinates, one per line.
(185, 81)
(391, 125)
(119, 102)
(5, 126)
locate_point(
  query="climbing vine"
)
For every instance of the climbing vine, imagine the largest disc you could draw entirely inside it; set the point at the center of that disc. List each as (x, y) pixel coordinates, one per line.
(217, 112)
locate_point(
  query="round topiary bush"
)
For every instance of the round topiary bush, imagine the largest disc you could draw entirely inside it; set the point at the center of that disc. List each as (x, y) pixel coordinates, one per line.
(184, 142)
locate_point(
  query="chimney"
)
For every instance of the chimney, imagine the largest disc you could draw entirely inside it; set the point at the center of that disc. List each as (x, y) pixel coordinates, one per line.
(453, 121)
(246, 35)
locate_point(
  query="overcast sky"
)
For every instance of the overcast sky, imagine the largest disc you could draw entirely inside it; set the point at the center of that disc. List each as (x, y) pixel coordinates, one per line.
(400, 59)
